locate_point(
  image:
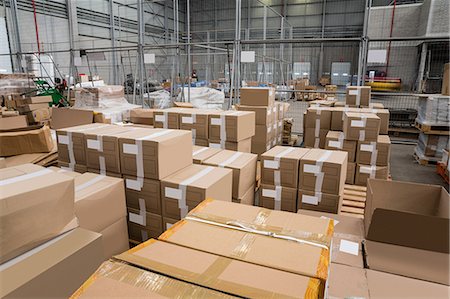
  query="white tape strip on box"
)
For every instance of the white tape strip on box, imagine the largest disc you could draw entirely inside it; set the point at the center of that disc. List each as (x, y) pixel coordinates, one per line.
(357, 93)
(180, 192)
(275, 194)
(339, 144)
(89, 183)
(230, 160)
(277, 159)
(164, 119)
(199, 151)
(370, 170)
(372, 148)
(317, 170)
(25, 177)
(140, 218)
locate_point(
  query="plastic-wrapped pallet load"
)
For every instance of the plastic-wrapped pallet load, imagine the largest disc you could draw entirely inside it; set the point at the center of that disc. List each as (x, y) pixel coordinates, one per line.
(432, 145)
(204, 97)
(434, 110)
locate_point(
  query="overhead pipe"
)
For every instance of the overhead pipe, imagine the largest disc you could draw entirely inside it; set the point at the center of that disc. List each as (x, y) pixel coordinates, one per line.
(36, 27)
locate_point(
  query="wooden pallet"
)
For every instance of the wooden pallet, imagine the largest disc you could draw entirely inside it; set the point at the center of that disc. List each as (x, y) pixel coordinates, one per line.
(354, 201)
(442, 171)
(432, 130)
(424, 160)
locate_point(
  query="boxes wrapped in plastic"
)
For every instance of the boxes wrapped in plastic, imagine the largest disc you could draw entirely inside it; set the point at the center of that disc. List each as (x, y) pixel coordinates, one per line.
(434, 110)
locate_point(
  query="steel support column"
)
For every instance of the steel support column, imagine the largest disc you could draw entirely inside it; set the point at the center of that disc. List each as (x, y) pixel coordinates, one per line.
(113, 42)
(141, 30)
(18, 47)
(322, 35)
(188, 21)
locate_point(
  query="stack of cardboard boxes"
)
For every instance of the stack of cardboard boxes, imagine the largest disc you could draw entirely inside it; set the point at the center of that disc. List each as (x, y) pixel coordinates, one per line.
(37, 109)
(297, 178)
(232, 130)
(269, 116)
(161, 184)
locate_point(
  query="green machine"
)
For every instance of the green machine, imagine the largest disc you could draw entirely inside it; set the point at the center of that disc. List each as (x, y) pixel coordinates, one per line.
(45, 89)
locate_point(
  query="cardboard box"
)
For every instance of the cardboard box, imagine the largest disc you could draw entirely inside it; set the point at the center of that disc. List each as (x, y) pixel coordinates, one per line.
(317, 201)
(143, 225)
(315, 138)
(183, 105)
(263, 114)
(335, 141)
(155, 153)
(361, 126)
(200, 142)
(68, 117)
(365, 172)
(13, 122)
(142, 116)
(70, 173)
(351, 170)
(374, 153)
(263, 134)
(55, 269)
(260, 147)
(385, 285)
(39, 99)
(31, 107)
(231, 125)
(116, 279)
(257, 96)
(323, 171)
(383, 114)
(280, 166)
(148, 198)
(244, 146)
(77, 169)
(166, 118)
(278, 198)
(39, 115)
(72, 144)
(248, 198)
(29, 194)
(195, 120)
(358, 95)
(102, 148)
(243, 166)
(337, 117)
(94, 195)
(201, 153)
(232, 276)
(168, 222)
(349, 282)
(115, 238)
(408, 223)
(318, 117)
(26, 142)
(446, 80)
(185, 189)
(299, 258)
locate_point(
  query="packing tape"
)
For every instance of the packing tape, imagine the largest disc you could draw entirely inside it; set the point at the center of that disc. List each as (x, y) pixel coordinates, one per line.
(346, 109)
(25, 177)
(199, 151)
(102, 165)
(312, 199)
(370, 170)
(275, 194)
(277, 162)
(164, 119)
(339, 144)
(89, 183)
(180, 192)
(215, 145)
(72, 161)
(144, 235)
(223, 131)
(137, 149)
(140, 218)
(372, 148)
(317, 170)
(230, 160)
(358, 97)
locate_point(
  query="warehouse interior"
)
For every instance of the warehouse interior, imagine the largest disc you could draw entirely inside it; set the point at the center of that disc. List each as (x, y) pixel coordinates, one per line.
(224, 149)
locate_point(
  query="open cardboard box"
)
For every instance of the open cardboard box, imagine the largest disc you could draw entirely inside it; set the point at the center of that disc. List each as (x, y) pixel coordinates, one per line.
(407, 229)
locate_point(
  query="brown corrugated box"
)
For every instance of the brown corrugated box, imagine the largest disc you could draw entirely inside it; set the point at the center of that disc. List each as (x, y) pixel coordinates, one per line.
(142, 116)
(32, 107)
(348, 282)
(257, 96)
(201, 153)
(260, 147)
(167, 118)
(115, 238)
(102, 148)
(351, 169)
(318, 117)
(383, 114)
(263, 114)
(148, 198)
(310, 259)
(168, 222)
(72, 144)
(55, 269)
(337, 116)
(65, 171)
(364, 172)
(231, 125)
(39, 99)
(116, 279)
(244, 146)
(183, 105)
(280, 166)
(39, 115)
(155, 153)
(313, 140)
(358, 95)
(361, 126)
(243, 166)
(278, 198)
(143, 225)
(224, 274)
(195, 120)
(185, 189)
(263, 134)
(26, 141)
(29, 194)
(446, 80)
(408, 223)
(335, 141)
(68, 117)
(333, 164)
(316, 201)
(374, 152)
(248, 198)
(77, 168)
(99, 201)
(13, 122)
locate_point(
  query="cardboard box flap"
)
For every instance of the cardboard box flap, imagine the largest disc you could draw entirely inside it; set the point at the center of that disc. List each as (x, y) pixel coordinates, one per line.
(219, 273)
(285, 152)
(231, 159)
(407, 214)
(199, 176)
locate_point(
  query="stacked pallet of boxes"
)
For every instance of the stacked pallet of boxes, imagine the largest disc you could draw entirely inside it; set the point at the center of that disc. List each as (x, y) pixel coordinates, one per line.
(297, 178)
(433, 122)
(269, 116)
(36, 109)
(239, 262)
(231, 130)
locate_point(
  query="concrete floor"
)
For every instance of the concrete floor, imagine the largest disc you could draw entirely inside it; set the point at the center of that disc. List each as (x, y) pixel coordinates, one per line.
(405, 168)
